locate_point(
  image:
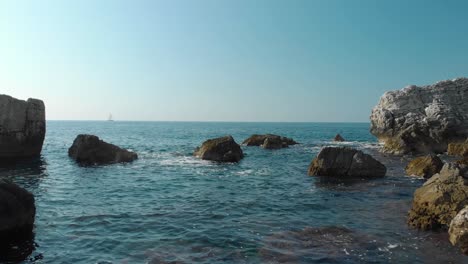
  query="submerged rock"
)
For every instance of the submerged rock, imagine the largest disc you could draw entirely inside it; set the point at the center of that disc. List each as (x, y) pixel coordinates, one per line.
(458, 149)
(223, 149)
(17, 213)
(333, 244)
(441, 197)
(269, 141)
(89, 150)
(22, 127)
(338, 138)
(425, 166)
(458, 230)
(422, 119)
(344, 161)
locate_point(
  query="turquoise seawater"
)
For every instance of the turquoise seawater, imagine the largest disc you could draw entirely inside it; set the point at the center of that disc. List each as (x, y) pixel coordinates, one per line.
(169, 207)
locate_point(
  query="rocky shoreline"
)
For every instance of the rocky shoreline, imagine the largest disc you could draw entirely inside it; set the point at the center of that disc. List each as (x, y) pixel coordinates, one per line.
(419, 122)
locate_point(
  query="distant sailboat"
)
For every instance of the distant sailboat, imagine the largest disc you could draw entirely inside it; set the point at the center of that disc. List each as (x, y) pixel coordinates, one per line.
(110, 118)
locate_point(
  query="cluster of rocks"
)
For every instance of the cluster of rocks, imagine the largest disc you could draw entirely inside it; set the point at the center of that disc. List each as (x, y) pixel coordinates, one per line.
(269, 141)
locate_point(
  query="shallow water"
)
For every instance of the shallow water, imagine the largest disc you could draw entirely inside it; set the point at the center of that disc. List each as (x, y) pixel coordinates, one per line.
(169, 207)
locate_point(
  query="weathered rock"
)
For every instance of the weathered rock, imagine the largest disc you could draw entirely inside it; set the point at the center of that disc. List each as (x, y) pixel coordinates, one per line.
(338, 138)
(223, 149)
(425, 166)
(440, 198)
(269, 141)
(17, 213)
(458, 230)
(422, 119)
(343, 161)
(463, 161)
(458, 149)
(89, 150)
(22, 127)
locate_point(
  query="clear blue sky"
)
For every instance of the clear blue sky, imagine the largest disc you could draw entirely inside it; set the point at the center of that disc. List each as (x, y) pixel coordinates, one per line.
(226, 60)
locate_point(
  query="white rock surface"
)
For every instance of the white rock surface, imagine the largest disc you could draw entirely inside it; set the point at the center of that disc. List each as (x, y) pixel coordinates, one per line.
(459, 230)
(422, 119)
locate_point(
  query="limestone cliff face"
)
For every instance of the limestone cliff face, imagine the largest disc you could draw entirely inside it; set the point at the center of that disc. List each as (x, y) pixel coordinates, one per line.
(422, 119)
(22, 127)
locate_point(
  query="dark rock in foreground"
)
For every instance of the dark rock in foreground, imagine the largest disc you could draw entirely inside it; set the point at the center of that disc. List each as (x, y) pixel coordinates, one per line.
(223, 149)
(22, 127)
(89, 150)
(269, 141)
(338, 138)
(441, 197)
(343, 161)
(422, 119)
(458, 149)
(458, 231)
(17, 213)
(425, 166)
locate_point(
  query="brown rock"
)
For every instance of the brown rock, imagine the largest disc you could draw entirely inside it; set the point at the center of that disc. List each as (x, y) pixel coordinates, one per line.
(269, 141)
(458, 149)
(425, 166)
(440, 198)
(338, 138)
(343, 161)
(223, 149)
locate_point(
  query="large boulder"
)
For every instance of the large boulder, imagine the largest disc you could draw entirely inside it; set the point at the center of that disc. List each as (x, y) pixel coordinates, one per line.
(22, 127)
(90, 150)
(422, 119)
(424, 166)
(458, 231)
(269, 141)
(458, 149)
(17, 213)
(344, 161)
(441, 197)
(223, 149)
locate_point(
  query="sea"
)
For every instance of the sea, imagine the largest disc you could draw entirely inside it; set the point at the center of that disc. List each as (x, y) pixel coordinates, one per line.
(171, 207)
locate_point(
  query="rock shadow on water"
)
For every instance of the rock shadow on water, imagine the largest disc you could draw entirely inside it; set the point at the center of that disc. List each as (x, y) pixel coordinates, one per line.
(27, 172)
(344, 183)
(330, 244)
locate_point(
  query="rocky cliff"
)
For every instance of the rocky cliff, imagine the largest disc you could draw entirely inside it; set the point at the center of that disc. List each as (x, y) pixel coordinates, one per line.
(22, 127)
(422, 119)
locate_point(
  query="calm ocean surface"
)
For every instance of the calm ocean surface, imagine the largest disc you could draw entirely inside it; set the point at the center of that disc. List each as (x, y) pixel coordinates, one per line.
(169, 207)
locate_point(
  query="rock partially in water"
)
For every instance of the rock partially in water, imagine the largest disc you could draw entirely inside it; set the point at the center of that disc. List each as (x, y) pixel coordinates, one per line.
(222, 149)
(424, 166)
(325, 244)
(22, 127)
(458, 149)
(458, 230)
(422, 119)
(90, 150)
(269, 141)
(338, 138)
(345, 162)
(17, 214)
(441, 197)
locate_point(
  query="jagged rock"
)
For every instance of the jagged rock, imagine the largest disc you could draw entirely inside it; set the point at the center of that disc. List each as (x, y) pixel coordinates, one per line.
(458, 149)
(344, 161)
(17, 213)
(89, 150)
(440, 198)
(269, 141)
(223, 149)
(458, 230)
(22, 127)
(338, 138)
(422, 119)
(425, 166)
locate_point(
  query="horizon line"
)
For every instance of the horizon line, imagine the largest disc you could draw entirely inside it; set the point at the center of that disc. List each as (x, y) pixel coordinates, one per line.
(203, 121)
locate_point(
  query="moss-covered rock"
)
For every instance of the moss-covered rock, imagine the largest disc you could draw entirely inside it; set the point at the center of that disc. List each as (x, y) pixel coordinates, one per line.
(458, 149)
(223, 149)
(425, 166)
(441, 197)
